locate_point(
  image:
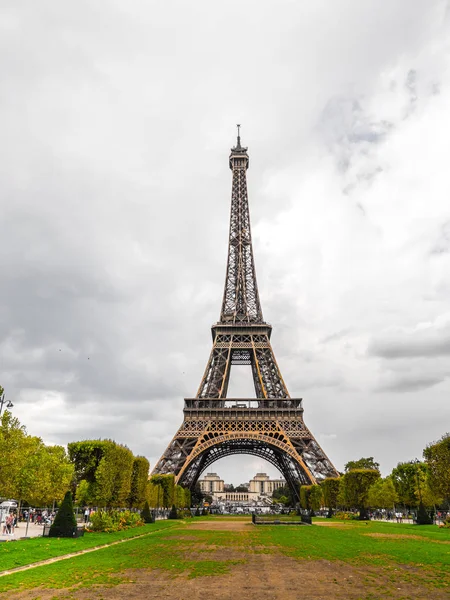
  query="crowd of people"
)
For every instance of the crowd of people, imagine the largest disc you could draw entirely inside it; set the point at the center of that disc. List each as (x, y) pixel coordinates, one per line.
(32, 515)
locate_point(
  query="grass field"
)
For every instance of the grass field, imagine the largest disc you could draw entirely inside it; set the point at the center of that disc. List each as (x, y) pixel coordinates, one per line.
(222, 558)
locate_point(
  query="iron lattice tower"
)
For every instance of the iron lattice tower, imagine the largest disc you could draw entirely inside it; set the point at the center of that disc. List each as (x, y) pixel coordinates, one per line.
(271, 425)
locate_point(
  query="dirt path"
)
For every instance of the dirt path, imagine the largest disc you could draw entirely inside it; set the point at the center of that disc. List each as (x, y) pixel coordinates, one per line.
(272, 577)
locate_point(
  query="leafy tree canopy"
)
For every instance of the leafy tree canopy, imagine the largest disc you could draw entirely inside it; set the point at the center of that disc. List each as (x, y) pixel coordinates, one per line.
(283, 495)
(362, 463)
(437, 456)
(330, 490)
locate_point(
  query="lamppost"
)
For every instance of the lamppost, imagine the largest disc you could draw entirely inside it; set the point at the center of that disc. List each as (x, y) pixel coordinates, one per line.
(3, 400)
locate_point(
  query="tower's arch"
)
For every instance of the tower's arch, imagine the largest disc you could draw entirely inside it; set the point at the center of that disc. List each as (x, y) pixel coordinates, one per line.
(278, 454)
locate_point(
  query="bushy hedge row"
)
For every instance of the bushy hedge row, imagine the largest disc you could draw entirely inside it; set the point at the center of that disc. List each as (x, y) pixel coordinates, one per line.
(114, 520)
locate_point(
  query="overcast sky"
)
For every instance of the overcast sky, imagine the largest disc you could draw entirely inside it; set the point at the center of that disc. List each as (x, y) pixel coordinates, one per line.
(116, 121)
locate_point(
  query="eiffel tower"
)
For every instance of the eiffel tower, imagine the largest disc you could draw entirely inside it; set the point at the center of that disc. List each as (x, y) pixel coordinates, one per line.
(269, 426)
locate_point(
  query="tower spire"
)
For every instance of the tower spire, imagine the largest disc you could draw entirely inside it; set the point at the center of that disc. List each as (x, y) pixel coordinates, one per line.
(241, 298)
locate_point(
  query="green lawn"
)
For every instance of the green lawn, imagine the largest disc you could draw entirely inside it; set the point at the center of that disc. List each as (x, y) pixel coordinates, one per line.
(177, 548)
(25, 552)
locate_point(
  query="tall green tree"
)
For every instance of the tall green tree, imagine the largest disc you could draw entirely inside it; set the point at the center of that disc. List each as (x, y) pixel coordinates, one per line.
(14, 450)
(363, 463)
(437, 456)
(330, 491)
(354, 489)
(197, 495)
(47, 475)
(167, 483)
(311, 497)
(106, 467)
(154, 494)
(382, 494)
(412, 481)
(404, 478)
(139, 478)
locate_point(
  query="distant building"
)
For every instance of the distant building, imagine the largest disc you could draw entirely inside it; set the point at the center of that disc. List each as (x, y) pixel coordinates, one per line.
(211, 484)
(260, 489)
(262, 484)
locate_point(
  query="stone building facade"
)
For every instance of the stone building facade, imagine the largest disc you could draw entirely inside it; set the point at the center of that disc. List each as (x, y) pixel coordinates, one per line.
(260, 489)
(211, 484)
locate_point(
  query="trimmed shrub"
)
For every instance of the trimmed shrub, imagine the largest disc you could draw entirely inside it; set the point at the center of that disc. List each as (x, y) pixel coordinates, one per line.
(423, 518)
(146, 515)
(65, 524)
(346, 516)
(114, 520)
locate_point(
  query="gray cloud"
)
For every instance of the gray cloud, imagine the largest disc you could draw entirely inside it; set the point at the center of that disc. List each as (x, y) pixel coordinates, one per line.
(423, 343)
(410, 384)
(114, 205)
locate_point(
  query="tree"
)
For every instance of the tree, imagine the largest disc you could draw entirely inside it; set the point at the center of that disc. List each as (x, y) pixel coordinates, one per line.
(437, 456)
(28, 468)
(107, 467)
(283, 495)
(114, 476)
(382, 494)
(83, 498)
(413, 484)
(65, 523)
(310, 497)
(167, 483)
(154, 494)
(362, 463)
(86, 457)
(330, 491)
(14, 450)
(197, 495)
(187, 498)
(52, 474)
(242, 488)
(315, 497)
(404, 478)
(354, 489)
(139, 478)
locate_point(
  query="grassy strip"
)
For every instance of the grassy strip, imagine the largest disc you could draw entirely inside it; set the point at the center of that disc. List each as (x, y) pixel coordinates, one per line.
(25, 552)
(151, 552)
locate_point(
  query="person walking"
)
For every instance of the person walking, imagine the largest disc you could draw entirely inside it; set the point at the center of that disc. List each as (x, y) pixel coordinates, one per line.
(87, 513)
